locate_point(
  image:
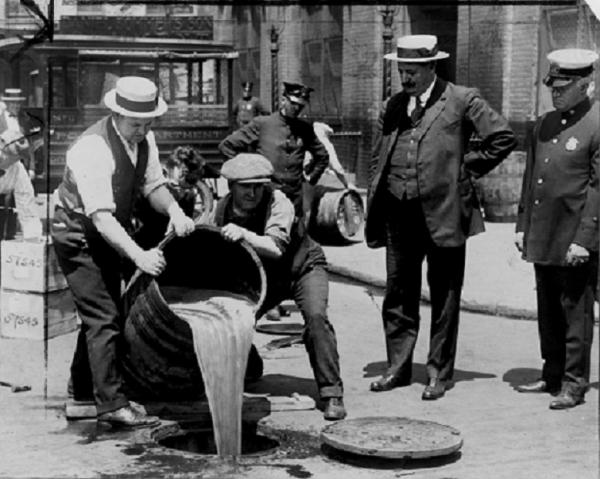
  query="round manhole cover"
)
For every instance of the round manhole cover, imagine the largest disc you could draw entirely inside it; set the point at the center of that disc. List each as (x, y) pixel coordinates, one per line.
(392, 437)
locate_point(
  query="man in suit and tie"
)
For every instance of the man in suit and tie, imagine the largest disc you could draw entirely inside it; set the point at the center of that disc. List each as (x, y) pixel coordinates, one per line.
(421, 204)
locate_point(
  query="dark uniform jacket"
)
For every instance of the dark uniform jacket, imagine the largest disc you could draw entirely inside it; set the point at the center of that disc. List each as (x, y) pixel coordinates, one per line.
(244, 110)
(283, 141)
(444, 171)
(559, 198)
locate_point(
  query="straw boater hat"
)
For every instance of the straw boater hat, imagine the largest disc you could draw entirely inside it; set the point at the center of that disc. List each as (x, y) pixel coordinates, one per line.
(13, 94)
(568, 65)
(135, 97)
(416, 49)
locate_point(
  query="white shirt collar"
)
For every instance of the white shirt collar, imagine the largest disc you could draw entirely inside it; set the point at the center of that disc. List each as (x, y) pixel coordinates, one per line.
(130, 149)
(423, 97)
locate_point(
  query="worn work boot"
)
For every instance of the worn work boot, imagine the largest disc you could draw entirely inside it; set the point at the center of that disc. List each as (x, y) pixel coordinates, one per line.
(273, 314)
(570, 396)
(334, 409)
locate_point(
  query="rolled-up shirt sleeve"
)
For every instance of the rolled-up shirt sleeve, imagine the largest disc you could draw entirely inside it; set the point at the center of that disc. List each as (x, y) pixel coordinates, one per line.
(92, 166)
(154, 176)
(280, 220)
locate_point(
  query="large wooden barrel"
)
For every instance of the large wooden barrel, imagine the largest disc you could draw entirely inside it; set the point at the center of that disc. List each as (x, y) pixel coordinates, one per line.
(337, 216)
(159, 359)
(501, 189)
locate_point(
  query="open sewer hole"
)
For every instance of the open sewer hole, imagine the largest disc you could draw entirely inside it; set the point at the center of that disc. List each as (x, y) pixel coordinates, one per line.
(203, 442)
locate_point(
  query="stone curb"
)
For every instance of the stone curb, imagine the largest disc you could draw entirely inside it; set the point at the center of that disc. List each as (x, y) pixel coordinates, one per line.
(466, 304)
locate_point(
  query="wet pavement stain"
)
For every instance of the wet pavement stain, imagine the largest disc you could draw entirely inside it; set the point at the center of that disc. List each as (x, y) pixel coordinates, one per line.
(294, 444)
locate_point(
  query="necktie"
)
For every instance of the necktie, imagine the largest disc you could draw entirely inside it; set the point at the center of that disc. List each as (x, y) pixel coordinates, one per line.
(417, 113)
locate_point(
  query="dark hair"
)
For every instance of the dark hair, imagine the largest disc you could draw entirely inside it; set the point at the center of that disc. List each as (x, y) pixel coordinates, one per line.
(191, 158)
(247, 84)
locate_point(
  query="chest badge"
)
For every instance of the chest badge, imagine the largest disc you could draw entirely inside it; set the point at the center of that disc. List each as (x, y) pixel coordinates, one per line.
(571, 144)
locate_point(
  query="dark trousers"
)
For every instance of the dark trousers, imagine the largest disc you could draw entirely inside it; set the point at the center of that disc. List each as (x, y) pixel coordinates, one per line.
(310, 291)
(565, 297)
(94, 277)
(408, 242)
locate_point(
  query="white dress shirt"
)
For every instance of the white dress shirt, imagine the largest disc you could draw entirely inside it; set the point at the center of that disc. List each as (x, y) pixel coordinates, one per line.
(423, 97)
(91, 161)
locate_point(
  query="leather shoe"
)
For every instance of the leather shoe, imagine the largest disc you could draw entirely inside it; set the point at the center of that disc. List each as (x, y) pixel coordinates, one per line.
(387, 382)
(434, 390)
(273, 314)
(128, 416)
(570, 396)
(334, 409)
(539, 386)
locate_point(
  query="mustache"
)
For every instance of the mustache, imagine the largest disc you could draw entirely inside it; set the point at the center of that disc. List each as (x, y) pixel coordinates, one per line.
(408, 85)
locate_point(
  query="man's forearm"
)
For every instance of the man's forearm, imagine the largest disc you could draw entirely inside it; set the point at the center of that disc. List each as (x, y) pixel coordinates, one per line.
(161, 199)
(115, 235)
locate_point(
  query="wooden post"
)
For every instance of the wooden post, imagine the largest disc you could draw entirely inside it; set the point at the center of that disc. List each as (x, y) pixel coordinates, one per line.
(274, 68)
(388, 19)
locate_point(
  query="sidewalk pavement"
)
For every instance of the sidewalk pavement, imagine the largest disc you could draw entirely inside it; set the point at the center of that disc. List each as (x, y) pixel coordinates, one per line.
(497, 280)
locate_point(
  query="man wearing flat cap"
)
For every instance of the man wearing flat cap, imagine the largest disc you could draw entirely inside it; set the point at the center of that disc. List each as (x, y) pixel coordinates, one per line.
(248, 106)
(283, 138)
(295, 265)
(112, 164)
(557, 226)
(421, 203)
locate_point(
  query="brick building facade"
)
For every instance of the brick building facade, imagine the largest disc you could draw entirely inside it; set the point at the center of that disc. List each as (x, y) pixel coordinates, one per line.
(338, 50)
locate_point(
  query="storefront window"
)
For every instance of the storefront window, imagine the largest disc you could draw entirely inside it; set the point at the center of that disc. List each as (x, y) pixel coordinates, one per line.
(64, 82)
(96, 79)
(180, 83)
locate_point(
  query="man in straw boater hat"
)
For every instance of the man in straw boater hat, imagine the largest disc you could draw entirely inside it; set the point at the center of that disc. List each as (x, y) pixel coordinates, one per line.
(557, 226)
(107, 168)
(295, 265)
(421, 203)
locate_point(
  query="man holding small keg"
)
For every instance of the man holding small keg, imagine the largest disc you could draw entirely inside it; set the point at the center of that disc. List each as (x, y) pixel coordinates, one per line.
(107, 168)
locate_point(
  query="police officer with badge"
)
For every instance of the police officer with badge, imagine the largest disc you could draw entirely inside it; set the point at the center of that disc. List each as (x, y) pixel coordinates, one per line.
(248, 106)
(283, 138)
(557, 226)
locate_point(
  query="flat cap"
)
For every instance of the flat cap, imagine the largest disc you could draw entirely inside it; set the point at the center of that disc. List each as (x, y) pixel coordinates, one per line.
(569, 64)
(297, 92)
(247, 168)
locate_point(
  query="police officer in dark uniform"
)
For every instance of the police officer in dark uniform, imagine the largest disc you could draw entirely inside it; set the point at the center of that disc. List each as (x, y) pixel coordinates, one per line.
(557, 227)
(248, 106)
(283, 139)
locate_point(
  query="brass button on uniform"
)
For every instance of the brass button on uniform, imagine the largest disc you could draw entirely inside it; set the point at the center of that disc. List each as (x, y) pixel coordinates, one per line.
(546, 160)
(563, 121)
(554, 140)
(540, 181)
(536, 202)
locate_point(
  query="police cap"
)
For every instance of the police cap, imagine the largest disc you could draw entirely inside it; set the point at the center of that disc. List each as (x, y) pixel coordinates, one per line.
(297, 92)
(568, 65)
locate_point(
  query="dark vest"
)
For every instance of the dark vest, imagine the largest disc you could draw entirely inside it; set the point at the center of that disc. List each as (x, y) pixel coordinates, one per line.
(402, 177)
(127, 180)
